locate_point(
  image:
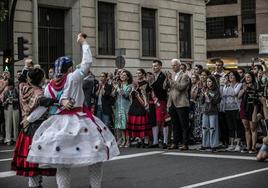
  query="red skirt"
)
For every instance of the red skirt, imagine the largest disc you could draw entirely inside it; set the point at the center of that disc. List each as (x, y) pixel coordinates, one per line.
(161, 111)
(19, 163)
(138, 126)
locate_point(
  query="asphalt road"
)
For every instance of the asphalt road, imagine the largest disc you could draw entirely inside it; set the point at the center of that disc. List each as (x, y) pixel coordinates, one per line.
(147, 168)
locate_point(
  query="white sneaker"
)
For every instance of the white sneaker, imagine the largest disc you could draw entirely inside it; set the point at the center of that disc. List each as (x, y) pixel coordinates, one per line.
(237, 148)
(230, 148)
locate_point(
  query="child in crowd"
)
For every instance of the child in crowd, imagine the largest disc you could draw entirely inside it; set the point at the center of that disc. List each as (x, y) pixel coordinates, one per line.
(210, 129)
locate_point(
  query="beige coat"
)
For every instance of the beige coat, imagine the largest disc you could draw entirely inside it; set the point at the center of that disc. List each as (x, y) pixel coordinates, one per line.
(179, 91)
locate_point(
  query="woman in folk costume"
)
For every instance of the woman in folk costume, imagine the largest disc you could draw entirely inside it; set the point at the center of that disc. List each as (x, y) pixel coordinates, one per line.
(30, 95)
(138, 121)
(72, 137)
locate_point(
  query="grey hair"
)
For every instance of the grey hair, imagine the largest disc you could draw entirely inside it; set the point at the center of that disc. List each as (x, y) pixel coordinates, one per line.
(177, 61)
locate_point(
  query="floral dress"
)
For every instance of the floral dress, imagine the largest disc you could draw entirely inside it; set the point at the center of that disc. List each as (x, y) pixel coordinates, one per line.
(122, 105)
(197, 116)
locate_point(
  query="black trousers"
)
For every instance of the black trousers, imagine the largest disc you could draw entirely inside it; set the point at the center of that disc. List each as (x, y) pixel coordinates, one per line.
(233, 124)
(180, 121)
(224, 133)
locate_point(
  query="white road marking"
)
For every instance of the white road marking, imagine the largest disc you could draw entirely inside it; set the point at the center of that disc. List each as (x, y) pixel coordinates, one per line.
(225, 178)
(3, 151)
(9, 159)
(12, 173)
(136, 155)
(211, 156)
(7, 174)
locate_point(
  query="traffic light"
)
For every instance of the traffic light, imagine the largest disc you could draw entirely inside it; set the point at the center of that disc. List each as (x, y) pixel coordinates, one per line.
(7, 61)
(23, 46)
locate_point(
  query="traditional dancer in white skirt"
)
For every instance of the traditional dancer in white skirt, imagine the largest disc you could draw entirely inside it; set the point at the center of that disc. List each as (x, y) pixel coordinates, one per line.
(72, 137)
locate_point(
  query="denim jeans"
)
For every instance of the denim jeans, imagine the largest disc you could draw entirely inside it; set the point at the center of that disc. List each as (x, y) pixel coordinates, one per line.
(210, 131)
(104, 118)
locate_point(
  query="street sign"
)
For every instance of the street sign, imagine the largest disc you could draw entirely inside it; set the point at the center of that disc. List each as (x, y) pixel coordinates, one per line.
(120, 62)
(263, 44)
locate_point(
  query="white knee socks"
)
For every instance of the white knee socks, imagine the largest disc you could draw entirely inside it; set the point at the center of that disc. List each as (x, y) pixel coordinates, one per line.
(155, 135)
(165, 134)
(146, 140)
(95, 174)
(34, 181)
(63, 177)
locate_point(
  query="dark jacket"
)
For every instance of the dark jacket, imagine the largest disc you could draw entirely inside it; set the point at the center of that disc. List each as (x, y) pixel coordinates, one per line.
(107, 100)
(90, 87)
(212, 107)
(158, 87)
(11, 98)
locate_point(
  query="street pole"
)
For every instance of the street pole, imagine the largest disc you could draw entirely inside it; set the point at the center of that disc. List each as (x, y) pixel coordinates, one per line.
(35, 32)
(10, 34)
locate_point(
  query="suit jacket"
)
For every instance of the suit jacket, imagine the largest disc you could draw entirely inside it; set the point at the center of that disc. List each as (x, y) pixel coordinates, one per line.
(178, 92)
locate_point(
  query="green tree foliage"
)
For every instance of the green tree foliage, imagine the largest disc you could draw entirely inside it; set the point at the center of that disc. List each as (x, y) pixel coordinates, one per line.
(3, 14)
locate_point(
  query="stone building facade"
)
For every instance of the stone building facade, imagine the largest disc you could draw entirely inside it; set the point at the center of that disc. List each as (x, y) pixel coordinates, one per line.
(143, 29)
(234, 27)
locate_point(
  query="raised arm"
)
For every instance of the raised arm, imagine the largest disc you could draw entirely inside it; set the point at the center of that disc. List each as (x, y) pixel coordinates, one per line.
(84, 67)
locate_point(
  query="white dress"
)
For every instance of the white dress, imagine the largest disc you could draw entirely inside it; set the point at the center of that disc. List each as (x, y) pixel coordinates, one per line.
(72, 140)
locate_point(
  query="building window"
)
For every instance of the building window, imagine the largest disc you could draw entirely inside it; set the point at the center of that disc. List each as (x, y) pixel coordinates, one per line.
(148, 32)
(248, 10)
(185, 32)
(222, 27)
(222, 2)
(248, 5)
(50, 36)
(106, 29)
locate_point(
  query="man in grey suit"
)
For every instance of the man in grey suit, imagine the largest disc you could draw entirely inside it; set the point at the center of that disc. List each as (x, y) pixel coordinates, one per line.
(178, 105)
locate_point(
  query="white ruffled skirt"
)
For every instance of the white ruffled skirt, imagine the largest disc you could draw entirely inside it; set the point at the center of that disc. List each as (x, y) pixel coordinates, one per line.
(72, 141)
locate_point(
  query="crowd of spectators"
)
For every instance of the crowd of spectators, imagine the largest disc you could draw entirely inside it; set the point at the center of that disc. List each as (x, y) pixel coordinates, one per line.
(218, 109)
